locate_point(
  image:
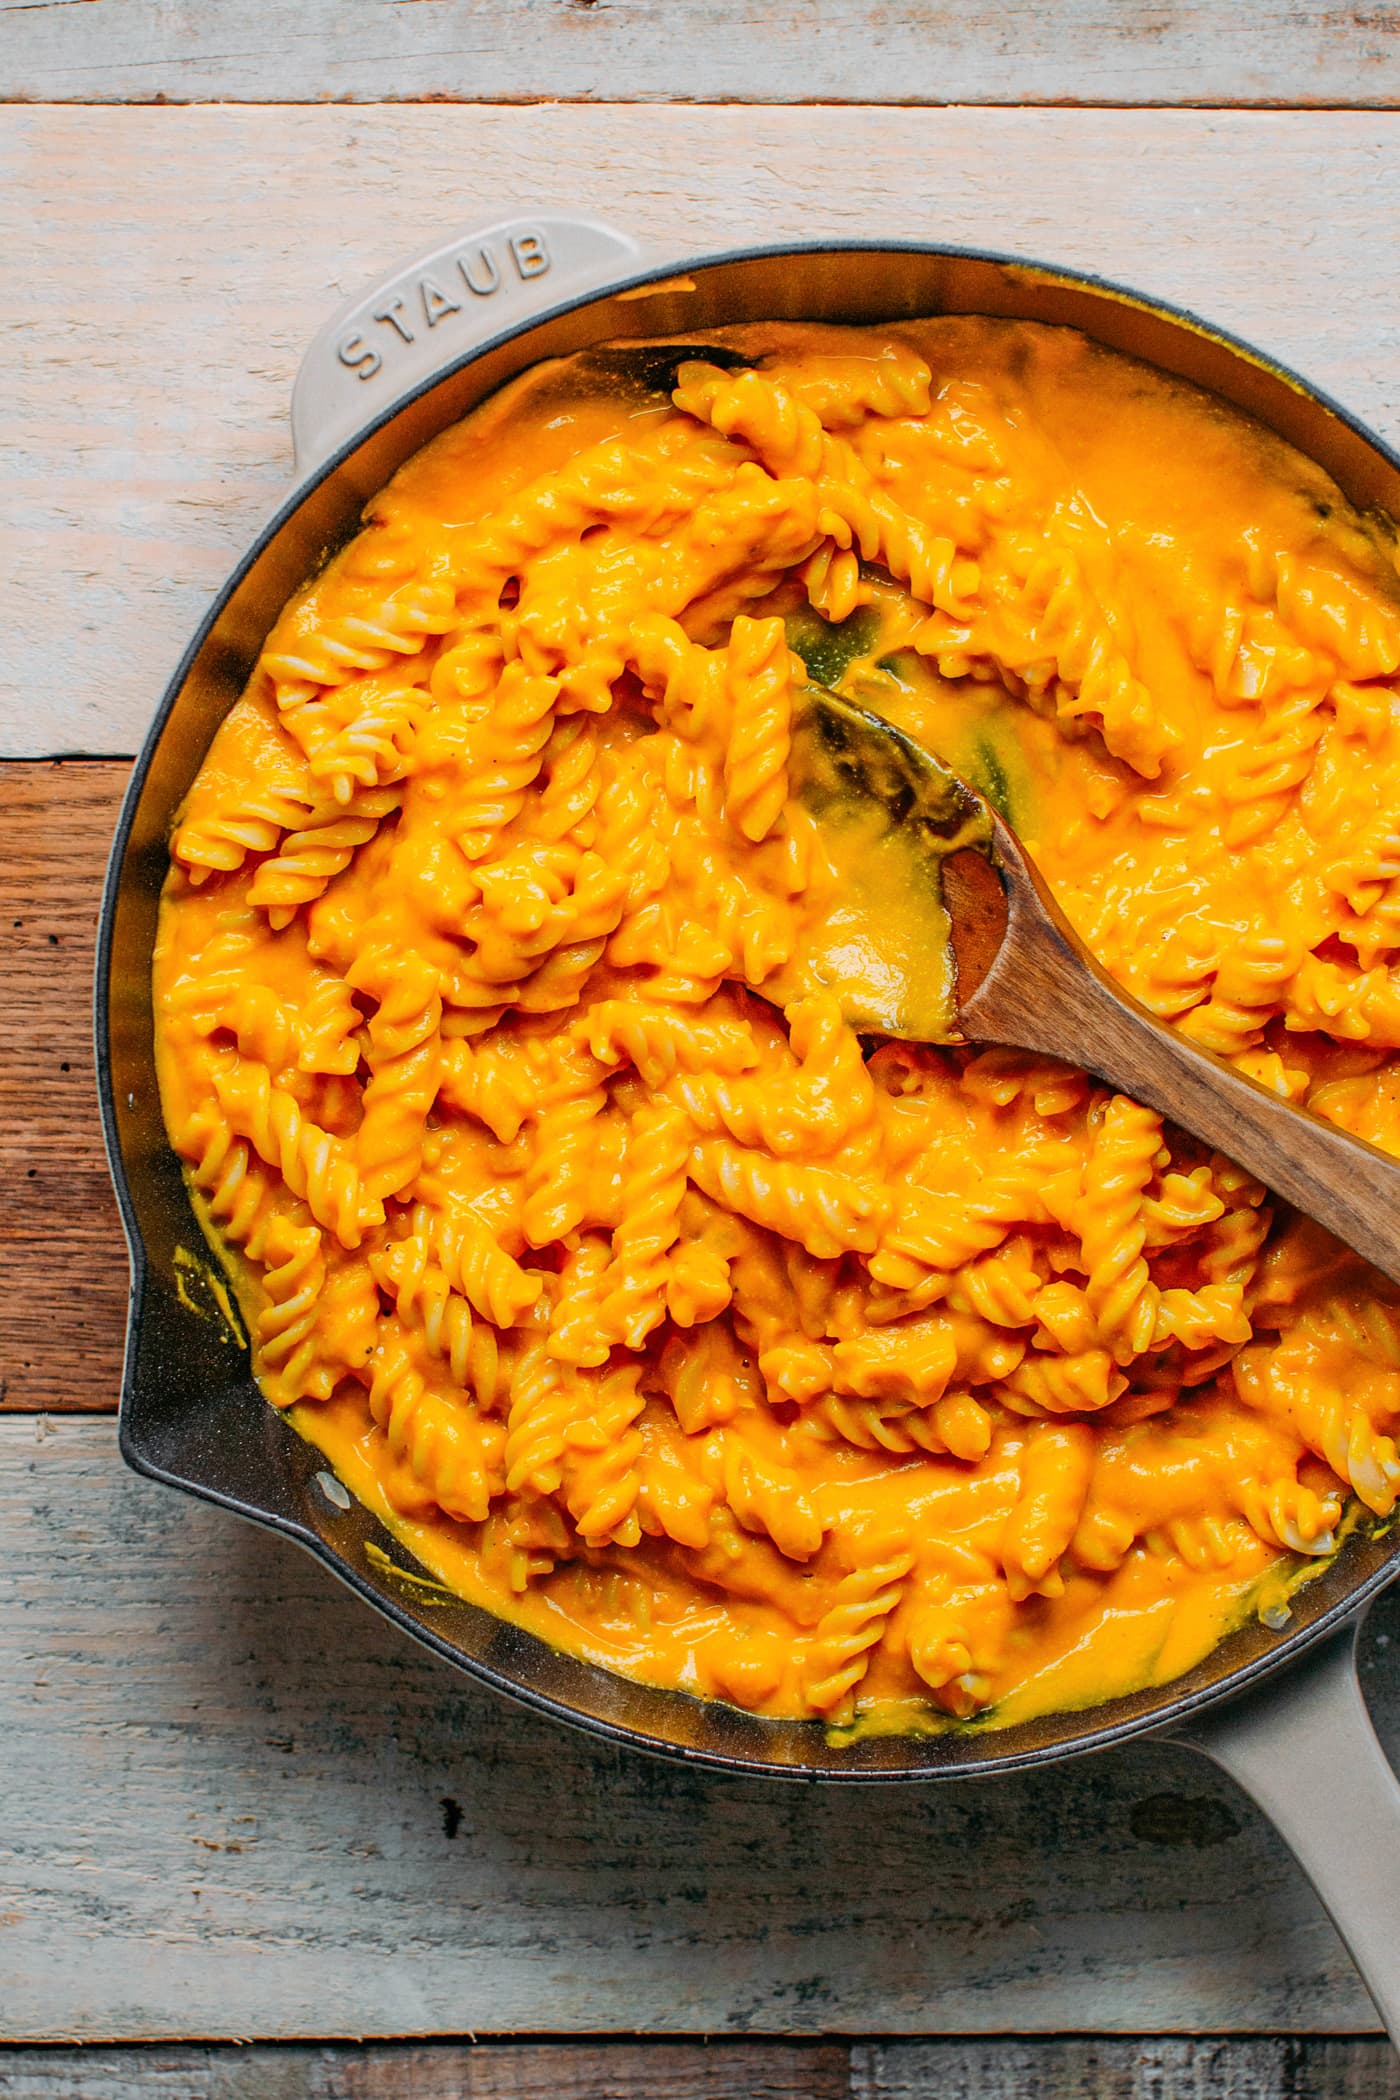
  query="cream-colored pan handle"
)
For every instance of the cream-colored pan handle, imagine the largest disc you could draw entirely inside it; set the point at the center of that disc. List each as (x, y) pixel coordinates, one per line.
(426, 315)
(1303, 1747)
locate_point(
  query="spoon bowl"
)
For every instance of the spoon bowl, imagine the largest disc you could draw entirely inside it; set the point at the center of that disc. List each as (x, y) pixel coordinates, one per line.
(894, 820)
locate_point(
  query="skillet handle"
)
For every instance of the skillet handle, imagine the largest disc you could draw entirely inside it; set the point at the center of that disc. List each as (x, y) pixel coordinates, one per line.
(1303, 1747)
(426, 315)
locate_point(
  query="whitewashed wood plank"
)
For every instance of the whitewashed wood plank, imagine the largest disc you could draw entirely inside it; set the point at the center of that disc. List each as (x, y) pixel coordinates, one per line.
(234, 1803)
(527, 2070)
(166, 268)
(1093, 51)
(1281, 2067)
(1078, 2067)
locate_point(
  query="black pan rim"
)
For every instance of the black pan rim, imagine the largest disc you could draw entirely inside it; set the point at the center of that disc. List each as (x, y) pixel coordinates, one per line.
(1114, 1729)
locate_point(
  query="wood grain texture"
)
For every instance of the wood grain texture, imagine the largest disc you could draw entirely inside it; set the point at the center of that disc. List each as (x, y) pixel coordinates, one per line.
(167, 266)
(63, 1268)
(1087, 51)
(236, 1803)
(1303, 2067)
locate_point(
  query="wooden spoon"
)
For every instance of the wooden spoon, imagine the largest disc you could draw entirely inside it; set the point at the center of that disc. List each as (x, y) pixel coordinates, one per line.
(942, 931)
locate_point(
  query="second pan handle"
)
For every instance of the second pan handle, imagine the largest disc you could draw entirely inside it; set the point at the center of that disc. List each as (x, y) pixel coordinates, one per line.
(424, 316)
(1303, 1747)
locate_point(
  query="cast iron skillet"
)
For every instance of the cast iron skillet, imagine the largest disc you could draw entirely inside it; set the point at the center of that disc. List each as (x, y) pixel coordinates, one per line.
(388, 372)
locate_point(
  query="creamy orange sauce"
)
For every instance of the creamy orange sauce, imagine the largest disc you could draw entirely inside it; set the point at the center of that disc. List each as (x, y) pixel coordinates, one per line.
(710, 1341)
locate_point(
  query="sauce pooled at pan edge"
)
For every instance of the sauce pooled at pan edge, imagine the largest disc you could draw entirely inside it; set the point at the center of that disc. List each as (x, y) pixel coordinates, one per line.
(827, 1376)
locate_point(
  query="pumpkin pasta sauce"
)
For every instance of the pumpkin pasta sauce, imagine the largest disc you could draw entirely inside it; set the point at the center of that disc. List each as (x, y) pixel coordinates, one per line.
(1145, 1625)
(882, 1385)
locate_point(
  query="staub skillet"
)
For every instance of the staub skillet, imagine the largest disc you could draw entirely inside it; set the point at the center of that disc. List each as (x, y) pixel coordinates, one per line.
(386, 374)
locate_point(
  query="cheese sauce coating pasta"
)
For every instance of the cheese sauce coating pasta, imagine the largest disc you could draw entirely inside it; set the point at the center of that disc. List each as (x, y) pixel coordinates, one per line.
(832, 1377)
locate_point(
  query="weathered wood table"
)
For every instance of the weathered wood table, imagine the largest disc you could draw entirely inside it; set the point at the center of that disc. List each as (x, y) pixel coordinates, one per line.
(233, 1805)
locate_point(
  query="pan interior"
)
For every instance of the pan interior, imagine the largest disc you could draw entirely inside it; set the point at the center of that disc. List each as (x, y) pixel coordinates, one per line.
(191, 1413)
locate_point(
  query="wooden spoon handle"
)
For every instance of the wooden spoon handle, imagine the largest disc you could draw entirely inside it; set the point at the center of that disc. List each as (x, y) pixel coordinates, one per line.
(1045, 993)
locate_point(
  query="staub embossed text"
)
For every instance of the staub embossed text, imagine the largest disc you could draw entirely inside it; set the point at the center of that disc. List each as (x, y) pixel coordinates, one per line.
(419, 303)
